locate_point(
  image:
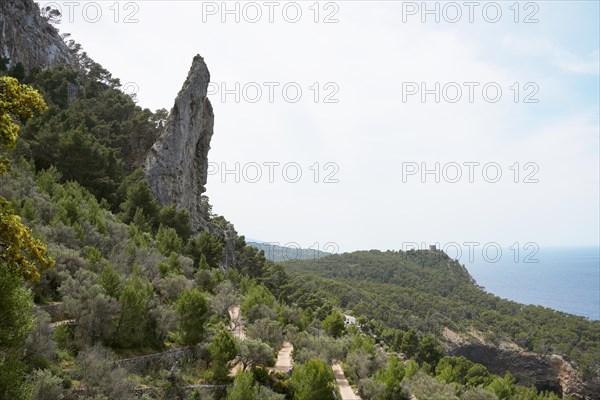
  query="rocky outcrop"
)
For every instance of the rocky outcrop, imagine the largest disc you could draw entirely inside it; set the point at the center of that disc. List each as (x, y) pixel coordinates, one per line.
(545, 372)
(229, 235)
(26, 37)
(177, 165)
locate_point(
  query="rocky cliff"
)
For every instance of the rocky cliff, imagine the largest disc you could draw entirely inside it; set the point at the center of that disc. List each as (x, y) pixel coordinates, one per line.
(26, 37)
(545, 372)
(177, 164)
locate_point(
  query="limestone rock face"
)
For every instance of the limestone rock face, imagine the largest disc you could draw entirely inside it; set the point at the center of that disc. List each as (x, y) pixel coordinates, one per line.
(28, 38)
(177, 164)
(546, 372)
(229, 251)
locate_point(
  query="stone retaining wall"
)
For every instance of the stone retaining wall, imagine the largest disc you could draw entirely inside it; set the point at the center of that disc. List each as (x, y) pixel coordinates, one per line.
(55, 311)
(164, 360)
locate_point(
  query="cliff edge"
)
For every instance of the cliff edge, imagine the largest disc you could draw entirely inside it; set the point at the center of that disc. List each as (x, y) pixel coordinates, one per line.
(27, 38)
(549, 372)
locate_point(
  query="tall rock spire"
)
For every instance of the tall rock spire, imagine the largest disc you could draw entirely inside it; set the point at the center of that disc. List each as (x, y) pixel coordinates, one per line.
(177, 164)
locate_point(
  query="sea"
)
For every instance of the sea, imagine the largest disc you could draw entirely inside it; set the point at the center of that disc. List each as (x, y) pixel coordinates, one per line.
(564, 279)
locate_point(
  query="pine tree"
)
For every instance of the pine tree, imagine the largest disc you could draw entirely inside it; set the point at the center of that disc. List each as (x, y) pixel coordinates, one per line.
(243, 388)
(313, 381)
(192, 309)
(223, 349)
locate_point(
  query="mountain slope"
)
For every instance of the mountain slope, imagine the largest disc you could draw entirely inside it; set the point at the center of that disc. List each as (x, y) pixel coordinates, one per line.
(277, 253)
(28, 38)
(429, 291)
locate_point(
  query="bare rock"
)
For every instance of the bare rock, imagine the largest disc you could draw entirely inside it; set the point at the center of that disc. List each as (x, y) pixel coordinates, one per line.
(546, 372)
(177, 164)
(26, 37)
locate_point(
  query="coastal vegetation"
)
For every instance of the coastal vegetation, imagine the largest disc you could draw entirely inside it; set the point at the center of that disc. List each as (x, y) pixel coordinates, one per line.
(82, 233)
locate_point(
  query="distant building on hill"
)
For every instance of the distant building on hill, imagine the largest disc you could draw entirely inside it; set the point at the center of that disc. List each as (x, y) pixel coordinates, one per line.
(432, 247)
(350, 320)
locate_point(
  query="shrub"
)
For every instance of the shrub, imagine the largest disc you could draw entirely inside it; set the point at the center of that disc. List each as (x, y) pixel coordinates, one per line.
(223, 349)
(426, 387)
(96, 368)
(314, 381)
(133, 326)
(168, 241)
(244, 388)
(87, 302)
(334, 324)
(46, 386)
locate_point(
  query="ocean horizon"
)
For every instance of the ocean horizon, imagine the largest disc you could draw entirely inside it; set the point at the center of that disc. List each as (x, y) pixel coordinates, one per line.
(564, 279)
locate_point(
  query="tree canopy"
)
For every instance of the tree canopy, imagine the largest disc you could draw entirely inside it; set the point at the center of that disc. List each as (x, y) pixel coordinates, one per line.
(314, 381)
(20, 251)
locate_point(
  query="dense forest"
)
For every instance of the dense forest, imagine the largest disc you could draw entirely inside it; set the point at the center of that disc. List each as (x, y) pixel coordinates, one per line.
(290, 251)
(82, 233)
(428, 291)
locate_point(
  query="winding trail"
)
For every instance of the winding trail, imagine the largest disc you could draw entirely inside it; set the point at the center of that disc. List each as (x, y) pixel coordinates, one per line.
(237, 329)
(56, 324)
(345, 388)
(237, 326)
(284, 358)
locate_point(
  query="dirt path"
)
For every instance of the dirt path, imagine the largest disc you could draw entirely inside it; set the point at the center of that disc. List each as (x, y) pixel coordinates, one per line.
(237, 327)
(284, 358)
(56, 324)
(237, 368)
(345, 388)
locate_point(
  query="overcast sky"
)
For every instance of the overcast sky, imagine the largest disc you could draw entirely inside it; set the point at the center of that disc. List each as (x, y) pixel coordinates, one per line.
(361, 68)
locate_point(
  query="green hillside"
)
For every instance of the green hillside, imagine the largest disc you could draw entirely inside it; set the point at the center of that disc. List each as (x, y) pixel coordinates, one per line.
(428, 291)
(276, 253)
(97, 278)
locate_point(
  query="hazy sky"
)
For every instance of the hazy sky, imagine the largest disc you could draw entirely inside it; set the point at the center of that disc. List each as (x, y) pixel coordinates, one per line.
(361, 68)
